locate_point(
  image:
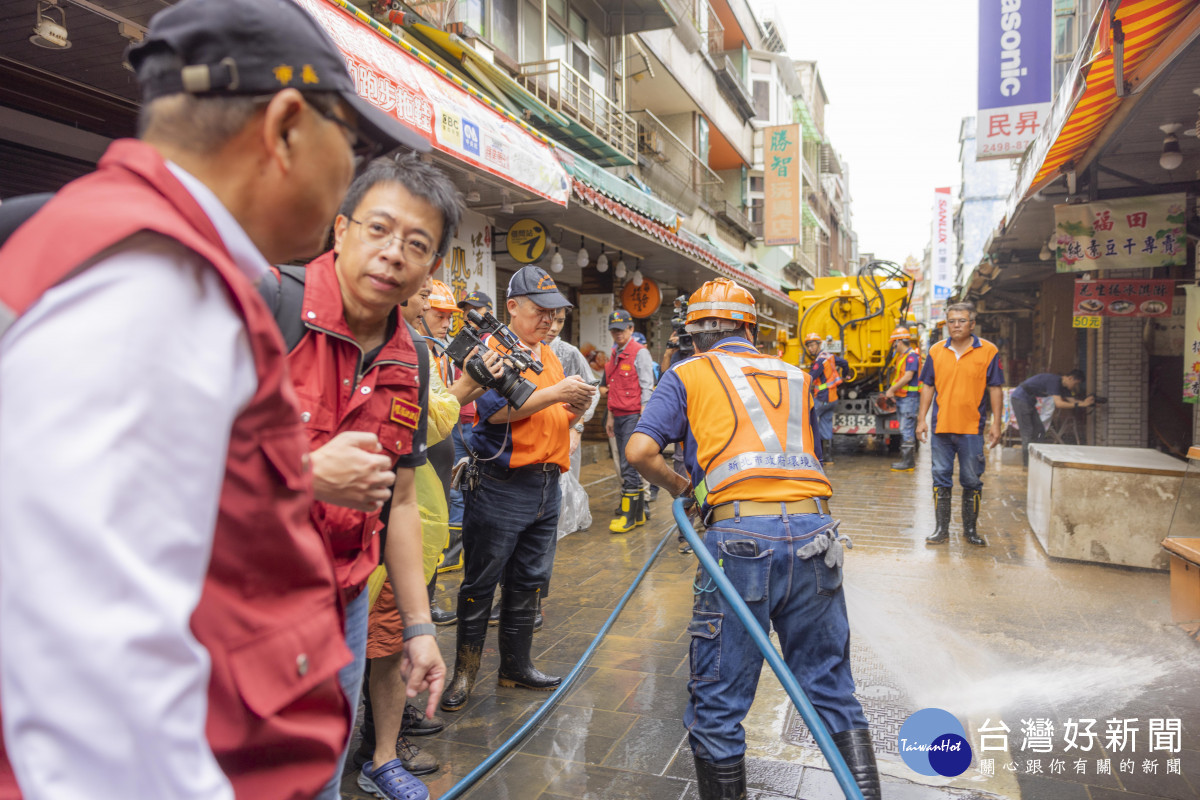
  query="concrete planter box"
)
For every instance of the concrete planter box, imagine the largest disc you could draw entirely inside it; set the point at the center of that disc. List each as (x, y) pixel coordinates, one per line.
(1110, 505)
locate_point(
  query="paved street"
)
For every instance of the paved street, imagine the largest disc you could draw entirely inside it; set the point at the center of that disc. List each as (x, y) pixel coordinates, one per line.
(1000, 635)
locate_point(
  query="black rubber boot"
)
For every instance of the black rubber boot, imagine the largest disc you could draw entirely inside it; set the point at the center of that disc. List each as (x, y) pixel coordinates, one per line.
(970, 515)
(941, 515)
(439, 616)
(645, 516)
(516, 640)
(908, 458)
(472, 631)
(720, 781)
(827, 451)
(855, 747)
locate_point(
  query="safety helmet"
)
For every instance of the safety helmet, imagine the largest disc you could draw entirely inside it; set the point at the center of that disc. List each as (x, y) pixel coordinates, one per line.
(813, 337)
(441, 298)
(901, 334)
(719, 305)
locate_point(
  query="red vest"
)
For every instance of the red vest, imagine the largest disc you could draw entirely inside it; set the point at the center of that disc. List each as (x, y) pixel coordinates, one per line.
(268, 614)
(624, 391)
(325, 367)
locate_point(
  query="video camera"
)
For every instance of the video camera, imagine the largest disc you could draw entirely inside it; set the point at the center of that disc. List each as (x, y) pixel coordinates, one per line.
(678, 321)
(511, 386)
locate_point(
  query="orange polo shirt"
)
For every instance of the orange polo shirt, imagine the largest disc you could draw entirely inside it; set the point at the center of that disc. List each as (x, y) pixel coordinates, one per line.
(960, 384)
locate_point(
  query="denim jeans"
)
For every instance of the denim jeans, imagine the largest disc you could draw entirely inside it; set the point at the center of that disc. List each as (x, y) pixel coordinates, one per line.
(456, 497)
(1029, 424)
(510, 524)
(906, 408)
(824, 410)
(351, 677)
(623, 427)
(801, 597)
(971, 459)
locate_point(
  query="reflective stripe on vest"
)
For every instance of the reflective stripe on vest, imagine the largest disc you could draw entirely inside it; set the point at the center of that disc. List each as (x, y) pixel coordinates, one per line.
(774, 455)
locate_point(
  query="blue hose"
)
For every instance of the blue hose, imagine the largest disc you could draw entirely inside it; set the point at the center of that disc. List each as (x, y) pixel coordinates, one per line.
(488, 763)
(790, 684)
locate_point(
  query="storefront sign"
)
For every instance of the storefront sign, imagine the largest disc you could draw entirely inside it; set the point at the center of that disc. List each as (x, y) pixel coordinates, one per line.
(468, 265)
(527, 240)
(1124, 298)
(1085, 322)
(781, 187)
(594, 338)
(641, 301)
(1130, 233)
(1016, 68)
(1191, 346)
(454, 121)
(943, 270)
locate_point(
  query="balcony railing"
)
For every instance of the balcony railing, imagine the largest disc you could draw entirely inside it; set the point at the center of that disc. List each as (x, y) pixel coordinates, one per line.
(566, 91)
(733, 216)
(705, 21)
(674, 171)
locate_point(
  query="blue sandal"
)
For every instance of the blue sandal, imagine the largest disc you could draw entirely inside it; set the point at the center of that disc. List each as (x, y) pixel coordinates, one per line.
(392, 782)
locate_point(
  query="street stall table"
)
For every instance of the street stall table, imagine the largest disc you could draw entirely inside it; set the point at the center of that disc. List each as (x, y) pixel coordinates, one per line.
(1109, 505)
(1183, 544)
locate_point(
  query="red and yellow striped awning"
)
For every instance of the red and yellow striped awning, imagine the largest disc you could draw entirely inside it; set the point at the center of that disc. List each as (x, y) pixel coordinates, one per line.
(1147, 24)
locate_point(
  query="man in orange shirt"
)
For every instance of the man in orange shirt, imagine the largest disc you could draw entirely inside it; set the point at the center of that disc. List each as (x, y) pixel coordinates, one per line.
(511, 497)
(961, 378)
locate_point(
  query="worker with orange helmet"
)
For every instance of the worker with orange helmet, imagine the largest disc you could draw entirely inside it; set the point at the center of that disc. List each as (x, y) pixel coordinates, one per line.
(906, 391)
(827, 373)
(746, 422)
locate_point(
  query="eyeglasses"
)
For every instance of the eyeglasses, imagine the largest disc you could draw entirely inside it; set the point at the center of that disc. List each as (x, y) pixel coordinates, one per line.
(364, 149)
(957, 321)
(375, 234)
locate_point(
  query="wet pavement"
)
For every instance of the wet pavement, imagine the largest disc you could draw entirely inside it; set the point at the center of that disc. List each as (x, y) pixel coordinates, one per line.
(1001, 637)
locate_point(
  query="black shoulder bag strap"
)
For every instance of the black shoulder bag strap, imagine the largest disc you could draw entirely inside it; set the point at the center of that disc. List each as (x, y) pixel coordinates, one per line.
(422, 390)
(285, 297)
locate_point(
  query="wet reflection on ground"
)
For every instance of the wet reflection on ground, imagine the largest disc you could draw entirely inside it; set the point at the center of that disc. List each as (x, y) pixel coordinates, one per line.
(992, 634)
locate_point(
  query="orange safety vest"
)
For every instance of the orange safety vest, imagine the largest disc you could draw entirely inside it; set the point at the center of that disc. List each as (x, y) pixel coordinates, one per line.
(828, 365)
(750, 416)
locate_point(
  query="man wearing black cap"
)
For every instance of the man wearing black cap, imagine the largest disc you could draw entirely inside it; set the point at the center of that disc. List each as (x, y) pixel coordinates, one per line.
(187, 641)
(510, 518)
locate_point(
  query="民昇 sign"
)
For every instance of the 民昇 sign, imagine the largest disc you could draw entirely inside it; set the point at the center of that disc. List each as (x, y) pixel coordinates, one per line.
(1123, 298)
(1015, 74)
(1130, 233)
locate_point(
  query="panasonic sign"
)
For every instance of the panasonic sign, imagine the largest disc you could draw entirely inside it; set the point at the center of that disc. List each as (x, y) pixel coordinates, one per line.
(1015, 71)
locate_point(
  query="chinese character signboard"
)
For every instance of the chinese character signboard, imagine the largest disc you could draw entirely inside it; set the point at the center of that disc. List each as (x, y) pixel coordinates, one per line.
(943, 267)
(526, 240)
(641, 300)
(781, 205)
(468, 265)
(1124, 298)
(1121, 234)
(1015, 75)
(394, 81)
(1191, 346)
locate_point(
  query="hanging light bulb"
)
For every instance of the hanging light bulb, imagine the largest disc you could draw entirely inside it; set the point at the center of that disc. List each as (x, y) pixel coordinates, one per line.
(602, 261)
(1171, 156)
(637, 274)
(583, 258)
(556, 261)
(620, 269)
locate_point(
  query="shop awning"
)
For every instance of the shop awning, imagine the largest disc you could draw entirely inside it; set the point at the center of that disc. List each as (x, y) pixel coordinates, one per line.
(621, 191)
(457, 119)
(1084, 106)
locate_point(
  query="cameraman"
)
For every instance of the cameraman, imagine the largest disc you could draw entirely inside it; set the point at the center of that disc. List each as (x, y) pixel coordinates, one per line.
(511, 494)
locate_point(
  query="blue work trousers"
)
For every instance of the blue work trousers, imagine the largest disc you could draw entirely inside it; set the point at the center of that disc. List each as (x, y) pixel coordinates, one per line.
(623, 427)
(971, 459)
(906, 408)
(456, 496)
(824, 412)
(351, 677)
(510, 526)
(801, 596)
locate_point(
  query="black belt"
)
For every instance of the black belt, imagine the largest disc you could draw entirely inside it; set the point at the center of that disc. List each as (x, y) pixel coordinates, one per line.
(498, 471)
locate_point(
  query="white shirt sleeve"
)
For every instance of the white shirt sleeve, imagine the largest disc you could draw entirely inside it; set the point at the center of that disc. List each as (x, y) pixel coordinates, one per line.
(644, 365)
(118, 390)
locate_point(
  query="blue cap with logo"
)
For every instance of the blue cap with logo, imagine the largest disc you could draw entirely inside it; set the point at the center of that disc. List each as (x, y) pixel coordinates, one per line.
(619, 320)
(536, 284)
(476, 299)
